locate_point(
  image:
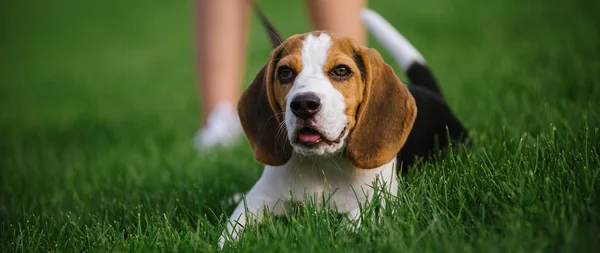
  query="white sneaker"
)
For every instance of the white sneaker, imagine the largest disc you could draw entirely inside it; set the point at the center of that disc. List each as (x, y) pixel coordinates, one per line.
(222, 128)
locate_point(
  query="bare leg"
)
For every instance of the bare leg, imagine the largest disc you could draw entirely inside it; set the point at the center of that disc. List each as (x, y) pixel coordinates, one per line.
(339, 16)
(221, 48)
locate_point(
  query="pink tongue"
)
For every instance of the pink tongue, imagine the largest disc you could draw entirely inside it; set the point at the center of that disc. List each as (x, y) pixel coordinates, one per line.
(309, 137)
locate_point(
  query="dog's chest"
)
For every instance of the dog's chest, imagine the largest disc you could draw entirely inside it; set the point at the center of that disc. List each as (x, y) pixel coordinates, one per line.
(331, 183)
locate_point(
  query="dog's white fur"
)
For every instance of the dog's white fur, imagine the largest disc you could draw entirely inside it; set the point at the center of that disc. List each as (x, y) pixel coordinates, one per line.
(344, 187)
(330, 120)
(312, 174)
(403, 52)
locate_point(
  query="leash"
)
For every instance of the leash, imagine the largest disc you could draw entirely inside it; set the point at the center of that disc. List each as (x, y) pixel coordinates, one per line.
(271, 31)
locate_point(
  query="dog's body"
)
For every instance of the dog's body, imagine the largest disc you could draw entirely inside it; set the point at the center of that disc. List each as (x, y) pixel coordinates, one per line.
(328, 183)
(329, 117)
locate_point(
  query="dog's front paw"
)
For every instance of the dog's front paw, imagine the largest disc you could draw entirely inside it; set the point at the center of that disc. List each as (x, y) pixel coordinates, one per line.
(354, 221)
(230, 234)
(222, 240)
(227, 236)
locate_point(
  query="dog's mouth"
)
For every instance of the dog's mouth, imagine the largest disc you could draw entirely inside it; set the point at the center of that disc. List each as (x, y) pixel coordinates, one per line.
(311, 137)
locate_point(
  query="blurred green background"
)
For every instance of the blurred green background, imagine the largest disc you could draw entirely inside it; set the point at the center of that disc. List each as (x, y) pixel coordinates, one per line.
(98, 106)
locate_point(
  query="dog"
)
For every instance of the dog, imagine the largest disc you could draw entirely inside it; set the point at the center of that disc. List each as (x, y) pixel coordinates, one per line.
(329, 117)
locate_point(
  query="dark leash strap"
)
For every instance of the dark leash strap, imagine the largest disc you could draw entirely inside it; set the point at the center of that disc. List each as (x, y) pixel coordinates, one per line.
(273, 34)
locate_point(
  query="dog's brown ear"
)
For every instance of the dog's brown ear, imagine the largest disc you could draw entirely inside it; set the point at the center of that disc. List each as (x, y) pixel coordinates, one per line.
(261, 126)
(384, 118)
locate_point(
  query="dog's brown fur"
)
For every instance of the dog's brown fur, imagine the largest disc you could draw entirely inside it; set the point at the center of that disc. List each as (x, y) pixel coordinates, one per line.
(379, 108)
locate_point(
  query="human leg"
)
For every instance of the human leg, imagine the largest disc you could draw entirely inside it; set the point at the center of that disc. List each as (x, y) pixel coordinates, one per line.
(220, 53)
(339, 16)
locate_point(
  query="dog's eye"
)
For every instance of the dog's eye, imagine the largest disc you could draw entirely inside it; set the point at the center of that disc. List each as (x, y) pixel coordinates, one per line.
(286, 75)
(340, 73)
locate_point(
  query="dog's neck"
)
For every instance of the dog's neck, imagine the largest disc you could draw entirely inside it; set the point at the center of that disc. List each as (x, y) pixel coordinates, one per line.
(336, 164)
(333, 167)
(305, 176)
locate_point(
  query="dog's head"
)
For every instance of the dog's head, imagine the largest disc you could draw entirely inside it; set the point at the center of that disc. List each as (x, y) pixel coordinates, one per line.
(322, 94)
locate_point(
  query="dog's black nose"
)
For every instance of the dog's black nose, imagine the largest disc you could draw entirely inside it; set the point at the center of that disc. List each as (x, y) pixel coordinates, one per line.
(305, 105)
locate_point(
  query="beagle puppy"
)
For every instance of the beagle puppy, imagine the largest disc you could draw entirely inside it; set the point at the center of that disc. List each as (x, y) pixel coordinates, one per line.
(329, 119)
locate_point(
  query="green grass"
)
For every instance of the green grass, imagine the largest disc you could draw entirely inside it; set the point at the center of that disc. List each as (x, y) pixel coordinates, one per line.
(98, 106)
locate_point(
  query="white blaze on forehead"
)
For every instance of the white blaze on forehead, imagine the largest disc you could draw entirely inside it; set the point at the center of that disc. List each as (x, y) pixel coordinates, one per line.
(330, 119)
(314, 53)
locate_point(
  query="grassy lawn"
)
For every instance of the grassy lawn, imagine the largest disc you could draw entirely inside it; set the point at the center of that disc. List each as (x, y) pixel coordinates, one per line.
(98, 106)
